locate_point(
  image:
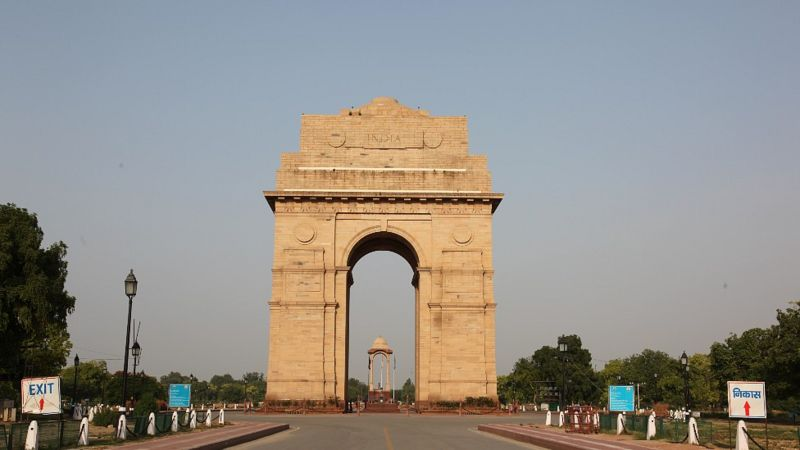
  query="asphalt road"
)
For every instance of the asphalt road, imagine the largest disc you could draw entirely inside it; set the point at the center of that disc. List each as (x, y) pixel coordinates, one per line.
(385, 431)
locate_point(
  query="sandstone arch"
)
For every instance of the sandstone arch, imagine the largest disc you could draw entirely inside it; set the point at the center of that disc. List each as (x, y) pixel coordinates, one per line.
(382, 177)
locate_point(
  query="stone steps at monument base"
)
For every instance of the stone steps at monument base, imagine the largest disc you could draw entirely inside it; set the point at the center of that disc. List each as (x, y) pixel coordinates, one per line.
(382, 408)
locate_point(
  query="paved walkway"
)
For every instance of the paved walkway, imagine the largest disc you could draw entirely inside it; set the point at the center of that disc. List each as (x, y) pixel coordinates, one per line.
(385, 432)
(558, 441)
(211, 439)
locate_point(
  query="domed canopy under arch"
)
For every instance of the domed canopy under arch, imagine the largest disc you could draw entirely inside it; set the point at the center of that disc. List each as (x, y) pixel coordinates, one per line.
(380, 345)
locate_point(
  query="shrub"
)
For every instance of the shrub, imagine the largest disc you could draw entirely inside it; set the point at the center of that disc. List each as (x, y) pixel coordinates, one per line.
(105, 417)
(145, 405)
(447, 404)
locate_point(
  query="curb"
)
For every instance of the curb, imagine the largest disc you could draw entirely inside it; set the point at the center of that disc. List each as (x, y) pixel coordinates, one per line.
(236, 440)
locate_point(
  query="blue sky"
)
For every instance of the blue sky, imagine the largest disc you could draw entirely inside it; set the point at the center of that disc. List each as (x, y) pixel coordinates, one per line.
(648, 152)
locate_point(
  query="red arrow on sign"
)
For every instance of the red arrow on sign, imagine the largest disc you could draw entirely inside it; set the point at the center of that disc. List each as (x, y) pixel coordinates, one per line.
(746, 408)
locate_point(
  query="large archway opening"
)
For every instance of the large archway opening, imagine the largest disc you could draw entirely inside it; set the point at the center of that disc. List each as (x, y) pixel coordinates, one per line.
(382, 285)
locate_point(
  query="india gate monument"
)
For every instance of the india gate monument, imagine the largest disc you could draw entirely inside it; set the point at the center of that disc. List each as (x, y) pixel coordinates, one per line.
(382, 177)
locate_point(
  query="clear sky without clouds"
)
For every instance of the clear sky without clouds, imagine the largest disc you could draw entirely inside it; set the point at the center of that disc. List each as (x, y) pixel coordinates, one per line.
(648, 152)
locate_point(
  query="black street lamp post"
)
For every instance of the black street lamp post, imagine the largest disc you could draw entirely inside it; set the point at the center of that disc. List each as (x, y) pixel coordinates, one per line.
(75, 381)
(562, 349)
(192, 379)
(685, 370)
(136, 350)
(656, 396)
(245, 394)
(130, 291)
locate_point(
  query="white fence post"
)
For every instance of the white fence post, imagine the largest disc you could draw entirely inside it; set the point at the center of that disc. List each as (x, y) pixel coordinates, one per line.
(32, 439)
(651, 426)
(548, 421)
(122, 427)
(151, 424)
(222, 417)
(741, 436)
(174, 425)
(208, 417)
(693, 432)
(620, 423)
(84, 437)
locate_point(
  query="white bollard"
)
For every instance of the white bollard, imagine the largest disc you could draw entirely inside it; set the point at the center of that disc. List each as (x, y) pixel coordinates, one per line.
(596, 421)
(91, 414)
(122, 427)
(576, 424)
(76, 412)
(32, 439)
(693, 433)
(741, 437)
(651, 426)
(548, 420)
(208, 417)
(620, 423)
(151, 425)
(84, 437)
(174, 425)
(221, 417)
(560, 419)
(193, 419)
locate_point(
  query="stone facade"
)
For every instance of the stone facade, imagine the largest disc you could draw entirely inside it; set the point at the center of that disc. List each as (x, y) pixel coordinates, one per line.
(382, 177)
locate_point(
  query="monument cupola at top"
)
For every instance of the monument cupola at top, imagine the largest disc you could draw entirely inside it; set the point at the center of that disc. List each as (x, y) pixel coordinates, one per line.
(382, 176)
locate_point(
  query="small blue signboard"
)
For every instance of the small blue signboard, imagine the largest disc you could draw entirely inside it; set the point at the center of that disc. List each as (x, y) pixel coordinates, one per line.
(620, 398)
(180, 395)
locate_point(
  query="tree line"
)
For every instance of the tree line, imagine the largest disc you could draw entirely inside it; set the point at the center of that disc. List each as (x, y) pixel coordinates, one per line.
(768, 354)
(95, 384)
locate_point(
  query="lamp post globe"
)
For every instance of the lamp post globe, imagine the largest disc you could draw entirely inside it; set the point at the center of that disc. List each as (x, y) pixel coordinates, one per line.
(130, 291)
(131, 284)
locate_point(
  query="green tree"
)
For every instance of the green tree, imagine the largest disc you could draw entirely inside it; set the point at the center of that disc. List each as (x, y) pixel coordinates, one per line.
(174, 378)
(138, 386)
(654, 371)
(93, 378)
(355, 389)
(702, 384)
(33, 302)
(407, 392)
(763, 354)
(256, 386)
(784, 375)
(545, 369)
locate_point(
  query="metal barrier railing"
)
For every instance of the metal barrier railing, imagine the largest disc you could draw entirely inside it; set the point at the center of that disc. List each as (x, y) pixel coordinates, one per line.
(65, 433)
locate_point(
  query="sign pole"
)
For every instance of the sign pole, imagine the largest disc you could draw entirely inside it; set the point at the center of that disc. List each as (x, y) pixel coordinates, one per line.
(730, 436)
(766, 422)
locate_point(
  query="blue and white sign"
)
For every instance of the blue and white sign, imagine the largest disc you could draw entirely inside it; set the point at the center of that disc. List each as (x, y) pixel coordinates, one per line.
(180, 395)
(41, 395)
(621, 398)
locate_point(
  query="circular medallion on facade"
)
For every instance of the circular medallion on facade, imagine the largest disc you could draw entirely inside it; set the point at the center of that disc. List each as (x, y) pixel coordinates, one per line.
(462, 235)
(336, 140)
(432, 139)
(305, 233)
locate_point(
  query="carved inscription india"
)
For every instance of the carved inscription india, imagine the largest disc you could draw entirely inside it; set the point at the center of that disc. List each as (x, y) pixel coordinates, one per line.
(385, 140)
